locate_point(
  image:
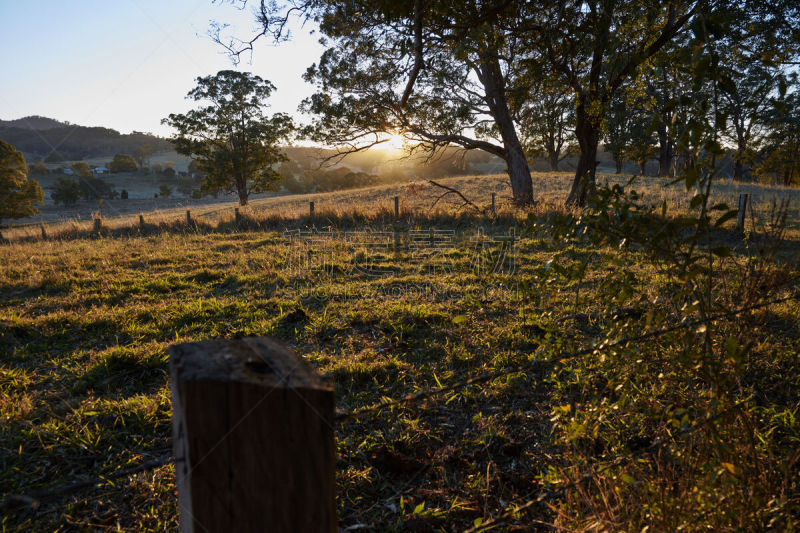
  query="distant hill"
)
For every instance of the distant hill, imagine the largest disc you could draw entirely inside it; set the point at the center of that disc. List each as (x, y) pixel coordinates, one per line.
(46, 138)
(34, 122)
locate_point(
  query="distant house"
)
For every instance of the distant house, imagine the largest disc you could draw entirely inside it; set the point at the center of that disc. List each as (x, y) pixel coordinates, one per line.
(100, 170)
(69, 171)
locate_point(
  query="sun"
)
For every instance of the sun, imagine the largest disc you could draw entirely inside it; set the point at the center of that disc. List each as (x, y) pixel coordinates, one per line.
(395, 142)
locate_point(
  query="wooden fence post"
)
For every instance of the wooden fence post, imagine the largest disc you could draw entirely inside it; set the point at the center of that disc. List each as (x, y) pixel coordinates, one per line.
(188, 217)
(44, 232)
(237, 215)
(744, 199)
(141, 220)
(311, 209)
(253, 438)
(396, 207)
(493, 198)
(98, 224)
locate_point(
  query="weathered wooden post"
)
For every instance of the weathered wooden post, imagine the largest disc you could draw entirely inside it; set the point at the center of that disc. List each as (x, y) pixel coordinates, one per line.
(253, 438)
(396, 207)
(98, 224)
(141, 220)
(311, 209)
(44, 232)
(493, 199)
(744, 199)
(188, 217)
(237, 216)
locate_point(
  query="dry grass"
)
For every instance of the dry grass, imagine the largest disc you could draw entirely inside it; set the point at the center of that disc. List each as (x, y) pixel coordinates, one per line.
(416, 199)
(85, 321)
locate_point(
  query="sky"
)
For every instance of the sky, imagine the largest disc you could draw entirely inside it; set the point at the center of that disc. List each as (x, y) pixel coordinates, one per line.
(126, 64)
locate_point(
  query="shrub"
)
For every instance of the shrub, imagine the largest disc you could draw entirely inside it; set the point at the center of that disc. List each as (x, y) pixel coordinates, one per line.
(123, 163)
(67, 192)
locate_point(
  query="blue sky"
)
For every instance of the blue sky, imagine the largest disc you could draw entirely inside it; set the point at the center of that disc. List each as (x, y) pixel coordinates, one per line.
(126, 64)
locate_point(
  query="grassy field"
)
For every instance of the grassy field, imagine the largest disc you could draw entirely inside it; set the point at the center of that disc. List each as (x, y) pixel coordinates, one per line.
(85, 321)
(417, 199)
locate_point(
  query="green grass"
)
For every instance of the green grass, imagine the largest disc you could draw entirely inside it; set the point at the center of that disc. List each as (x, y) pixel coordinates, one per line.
(85, 323)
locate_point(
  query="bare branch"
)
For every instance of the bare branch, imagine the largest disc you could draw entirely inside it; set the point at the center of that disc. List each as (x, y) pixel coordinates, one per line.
(450, 190)
(418, 62)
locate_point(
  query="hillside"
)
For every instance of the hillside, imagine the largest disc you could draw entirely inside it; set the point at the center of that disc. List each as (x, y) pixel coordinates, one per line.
(41, 137)
(33, 122)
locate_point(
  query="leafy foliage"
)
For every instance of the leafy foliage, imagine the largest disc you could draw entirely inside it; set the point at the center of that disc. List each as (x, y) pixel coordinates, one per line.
(66, 192)
(123, 163)
(18, 193)
(234, 143)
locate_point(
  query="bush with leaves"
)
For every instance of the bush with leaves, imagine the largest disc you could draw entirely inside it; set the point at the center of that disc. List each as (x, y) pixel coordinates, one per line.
(18, 193)
(123, 163)
(66, 192)
(93, 188)
(690, 427)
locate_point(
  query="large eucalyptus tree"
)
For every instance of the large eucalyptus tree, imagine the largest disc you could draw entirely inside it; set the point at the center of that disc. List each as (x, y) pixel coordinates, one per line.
(435, 71)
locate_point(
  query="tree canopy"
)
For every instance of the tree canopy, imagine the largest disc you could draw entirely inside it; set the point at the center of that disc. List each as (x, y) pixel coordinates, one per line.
(436, 72)
(123, 163)
(506, 77)
(234, 143)
(18, 193)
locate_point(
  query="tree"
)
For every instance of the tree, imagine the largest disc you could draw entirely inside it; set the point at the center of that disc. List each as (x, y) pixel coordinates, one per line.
(81, 168)
(168, 170)
(93, 188)
(123, 163)
(67, 192)
(164, 191)
(781, 153)
(234, 143)
(53, 157)
(596, 46)
(546, 116)
(18, 193)
(142, 154)
(39, 168)
(437, 72)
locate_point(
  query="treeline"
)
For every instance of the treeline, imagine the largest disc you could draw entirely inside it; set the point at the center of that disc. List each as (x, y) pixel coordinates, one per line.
(320, 170)
(70, 142)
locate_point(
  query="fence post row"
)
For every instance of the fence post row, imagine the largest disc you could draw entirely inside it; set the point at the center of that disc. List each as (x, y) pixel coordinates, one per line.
(253, 438)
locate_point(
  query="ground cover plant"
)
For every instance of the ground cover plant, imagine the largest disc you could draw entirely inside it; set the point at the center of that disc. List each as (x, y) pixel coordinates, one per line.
(568, 421)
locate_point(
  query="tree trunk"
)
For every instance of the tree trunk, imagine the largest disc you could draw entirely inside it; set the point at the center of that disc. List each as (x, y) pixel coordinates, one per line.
(588, 135)
(738, 167)
(618, 164)
(520, 174)
(491, 76)
(241, 190)
(738, 170)
(664, 151)
(552, 157)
